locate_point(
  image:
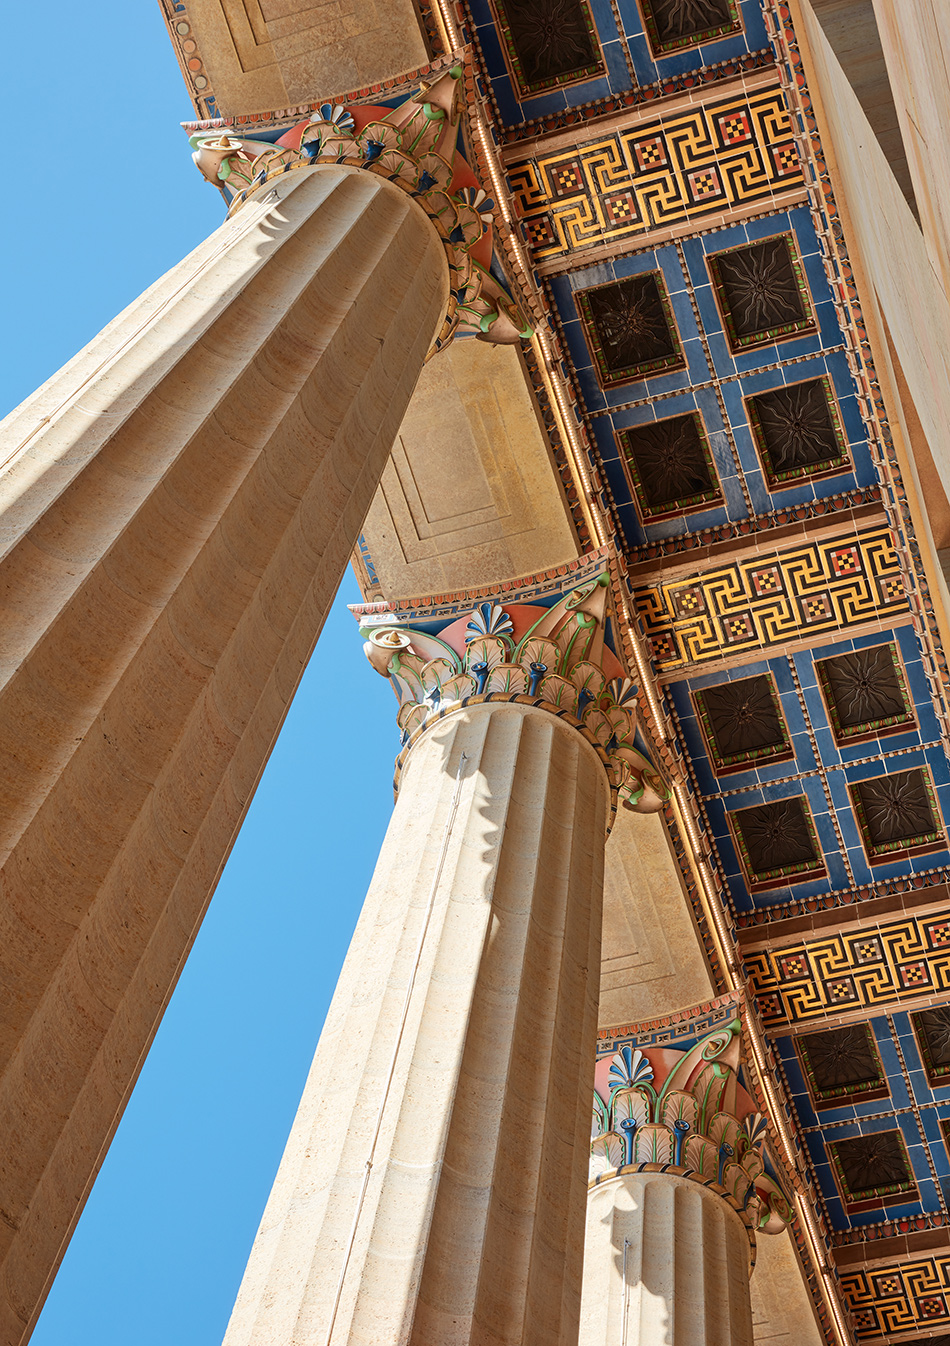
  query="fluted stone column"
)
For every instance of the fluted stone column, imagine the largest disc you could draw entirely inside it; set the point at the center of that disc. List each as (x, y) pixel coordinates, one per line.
(176, 511)
(667, 1263)
(433, 1187)
(681, 1181)
(177, 518)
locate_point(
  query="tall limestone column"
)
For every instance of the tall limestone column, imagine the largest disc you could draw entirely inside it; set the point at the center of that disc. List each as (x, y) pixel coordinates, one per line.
(433, 1186)
(681, 1180)
(178, 506)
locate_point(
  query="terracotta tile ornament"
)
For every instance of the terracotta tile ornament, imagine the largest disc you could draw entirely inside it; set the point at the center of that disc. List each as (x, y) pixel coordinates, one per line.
(554, 653)
(413, 146)
(693, 1119)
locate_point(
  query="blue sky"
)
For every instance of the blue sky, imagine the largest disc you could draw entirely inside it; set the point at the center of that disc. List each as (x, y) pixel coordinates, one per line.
(101, 198)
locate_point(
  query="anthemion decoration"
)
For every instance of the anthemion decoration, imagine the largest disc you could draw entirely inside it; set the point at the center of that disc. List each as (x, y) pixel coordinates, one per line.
(609, 344)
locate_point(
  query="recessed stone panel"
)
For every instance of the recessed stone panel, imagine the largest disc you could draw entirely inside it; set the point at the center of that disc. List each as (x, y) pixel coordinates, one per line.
(762, 293)
(630, 329)
(872, 1170)
(897, 814)
(674, 24)
(865, 693)
(842, 1064)
(743, 724)
(670, 466)
(777, 843)
(549, 43)
(797, 433)
(932, 1028)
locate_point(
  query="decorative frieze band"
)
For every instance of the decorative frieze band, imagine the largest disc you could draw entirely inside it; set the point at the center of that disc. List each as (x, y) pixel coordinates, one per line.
(686, 167)
(761, 601)
(910, 1296)
(882, 965)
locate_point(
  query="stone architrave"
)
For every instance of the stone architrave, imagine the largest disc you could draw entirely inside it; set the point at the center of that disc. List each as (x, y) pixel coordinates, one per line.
(433, 1186)
(681, 1180)
(176, 511)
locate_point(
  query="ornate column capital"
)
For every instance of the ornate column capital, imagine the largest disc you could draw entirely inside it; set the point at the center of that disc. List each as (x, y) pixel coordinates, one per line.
(545, 641)
(413, 145)
(685, 1110)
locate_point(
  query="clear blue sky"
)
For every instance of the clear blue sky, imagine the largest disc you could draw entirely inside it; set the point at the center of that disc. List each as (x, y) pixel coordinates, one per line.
(101, 197)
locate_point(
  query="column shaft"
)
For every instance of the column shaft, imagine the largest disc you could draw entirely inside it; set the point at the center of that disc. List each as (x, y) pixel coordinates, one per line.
(179, 507)
(666, 1263)
(434, 1184)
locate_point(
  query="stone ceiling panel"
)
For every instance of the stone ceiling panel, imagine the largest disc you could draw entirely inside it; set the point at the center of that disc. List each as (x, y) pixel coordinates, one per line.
(470, 496)
(265, 54)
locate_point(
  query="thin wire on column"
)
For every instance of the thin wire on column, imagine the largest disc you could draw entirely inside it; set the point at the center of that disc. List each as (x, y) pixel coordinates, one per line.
(113, 357)
(368, 1169)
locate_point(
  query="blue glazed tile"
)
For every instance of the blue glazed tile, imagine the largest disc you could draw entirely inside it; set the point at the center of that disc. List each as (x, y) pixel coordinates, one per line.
(678, 63)
(604, 21)
(826, 746)
(642, 61)
(630, 17)
(859, 866)
(851, 836)
(813, 701)
(756, 36)
(838, 786)
(783, 676)
(834, 1116)
(804, 756)
(861, 771)
(920, 864)
(707, 306)
(931, 1125)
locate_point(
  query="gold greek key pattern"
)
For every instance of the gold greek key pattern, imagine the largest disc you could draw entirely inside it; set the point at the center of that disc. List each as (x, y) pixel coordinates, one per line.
(907, 1297)
(687, 166)
(769, 600)
(868, 968)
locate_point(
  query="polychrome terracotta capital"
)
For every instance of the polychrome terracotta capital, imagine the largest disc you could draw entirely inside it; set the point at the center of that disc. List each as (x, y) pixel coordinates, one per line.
(547, 641)
(414, 146)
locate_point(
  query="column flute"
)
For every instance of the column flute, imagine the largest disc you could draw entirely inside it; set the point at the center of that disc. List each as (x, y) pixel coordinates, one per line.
(433, 1187)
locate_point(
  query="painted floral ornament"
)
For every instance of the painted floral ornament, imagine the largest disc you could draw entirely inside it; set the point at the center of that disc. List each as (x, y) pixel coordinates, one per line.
(413, 145)
(335, 115)
(554, 656)
(694, 1119)
(477, 199)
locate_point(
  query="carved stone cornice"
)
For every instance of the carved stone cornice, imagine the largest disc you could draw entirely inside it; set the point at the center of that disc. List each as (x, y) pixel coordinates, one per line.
(414, 146)
(553, 651)
(693, 1119)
